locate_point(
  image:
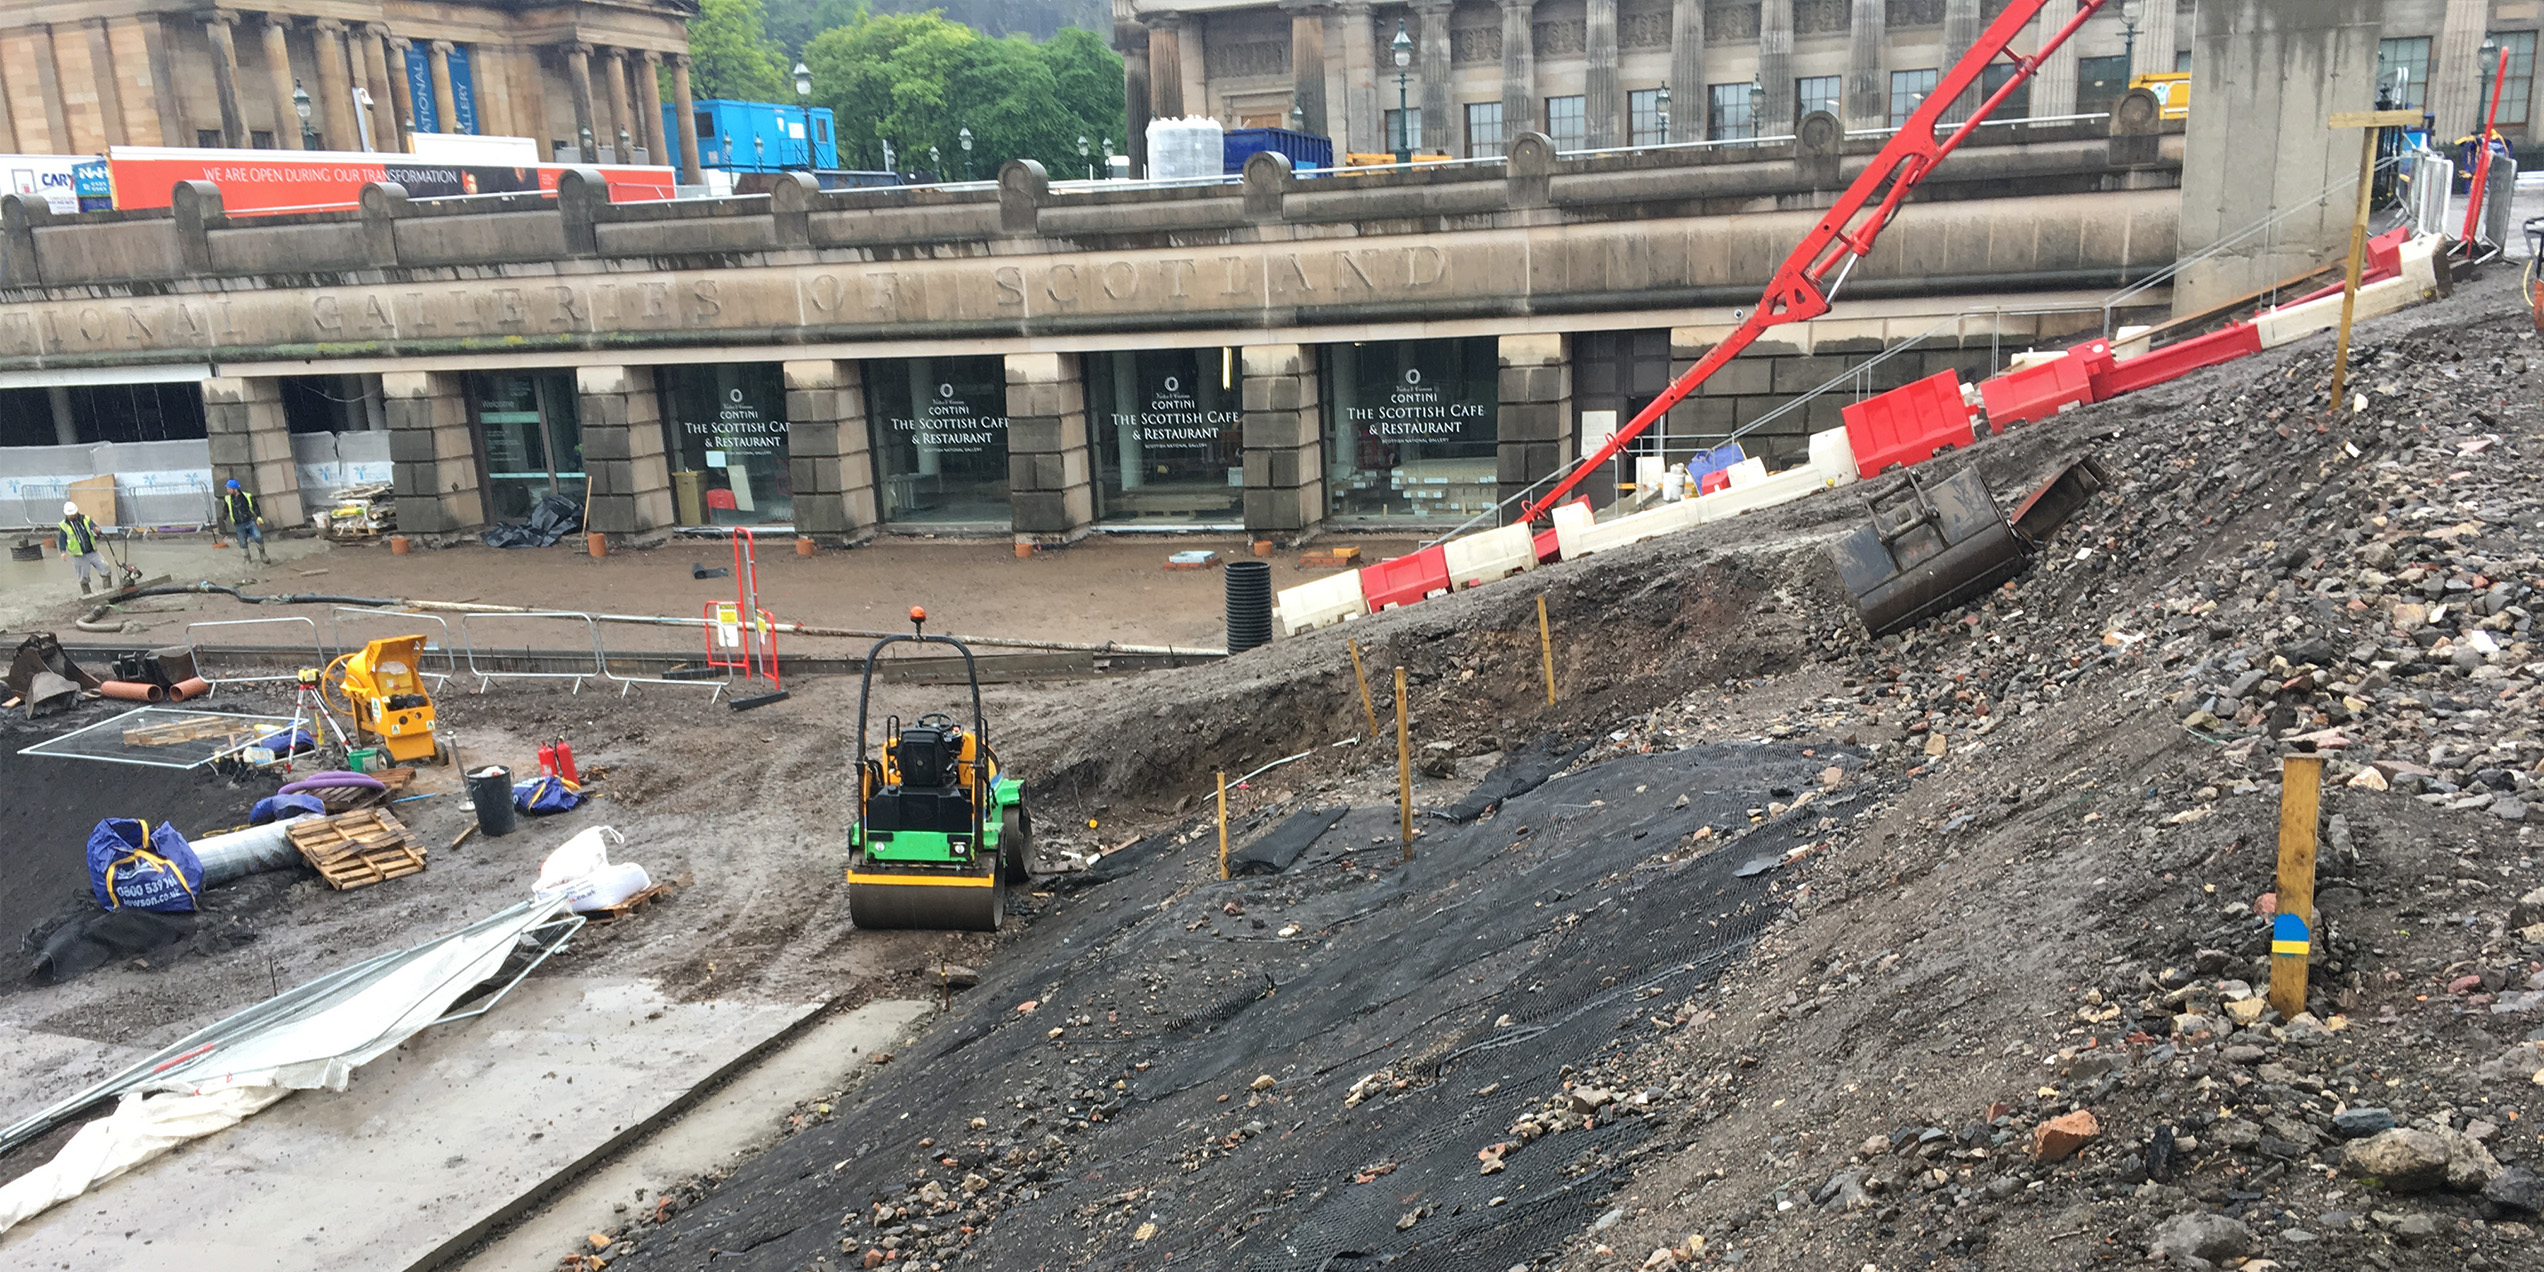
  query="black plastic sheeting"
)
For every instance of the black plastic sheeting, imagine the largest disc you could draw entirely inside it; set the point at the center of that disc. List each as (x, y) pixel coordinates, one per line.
(1274, 850)
(1517, 773)
(1173, 990)
(554, 518)
(93, 940)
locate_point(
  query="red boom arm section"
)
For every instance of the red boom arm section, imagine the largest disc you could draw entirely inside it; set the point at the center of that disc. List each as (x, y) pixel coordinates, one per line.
(1802, 285)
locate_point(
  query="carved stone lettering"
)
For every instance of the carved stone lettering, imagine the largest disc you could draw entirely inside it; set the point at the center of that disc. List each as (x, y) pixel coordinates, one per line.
(135, 329)
(1119, 286)
(1010, 282)
(92, 327)
(1352, 269)
(825, 291)
(658, 301)
(190, 325)
(1253, 57)
(706, 301)
(375, 315)
(570, 310)
(1051, 283)
(1425, 265)
(327, 313)
(1177, 269)
(509, 311)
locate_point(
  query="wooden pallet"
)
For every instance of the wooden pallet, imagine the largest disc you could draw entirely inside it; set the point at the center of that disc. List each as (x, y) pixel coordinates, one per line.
(613, 914)
(357, 849)
(1330, 559)
(180, 732)
(344, 799)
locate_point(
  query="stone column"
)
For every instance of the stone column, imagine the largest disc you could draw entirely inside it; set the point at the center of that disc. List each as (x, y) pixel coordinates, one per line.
(1284, 440)
(65, 420)
(278, 76)
(2054, 85)
(1775, 69)
(110, 96)
(1440, 122)
(827, 459)
(216, 31)
(1519, 68)
(1962, 23)
(1189, 56)
(1534, 427)
(8, 122)
(445, 102)
(614, 63)
(401, 93)
(1604, 98)
(684, 112)
(623, 457)
(1867, 88)
(1050, 474)
(371, 67)
(335, 88)
(2458, 83)
(1363, 126)
(432, 458)
(2159, 40)
(1166, 66)
(649, 102)
(174, 128)
(250, 442)
(48, 81)
(1130, 39)
(1307, 66)
(578, 74)
(1689, 100)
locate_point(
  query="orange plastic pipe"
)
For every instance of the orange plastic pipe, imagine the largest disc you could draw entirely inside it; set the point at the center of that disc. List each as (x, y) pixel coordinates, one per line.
(133, 691)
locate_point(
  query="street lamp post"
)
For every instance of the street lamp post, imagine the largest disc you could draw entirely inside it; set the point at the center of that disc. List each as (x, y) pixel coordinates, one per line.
(1757, 103)
(626, 147)
(804, 97)
(300, 106)
(2482, 87)
(936, 162)
(759, 154)
(1662, 102)
(965, 137)
(1082, 157)
(1402, 46)
(888, 164)
(2131, 11)
(1108, 158)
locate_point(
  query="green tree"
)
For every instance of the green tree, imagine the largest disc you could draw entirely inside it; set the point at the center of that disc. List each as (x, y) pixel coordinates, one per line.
(918, 80)
(734, 57)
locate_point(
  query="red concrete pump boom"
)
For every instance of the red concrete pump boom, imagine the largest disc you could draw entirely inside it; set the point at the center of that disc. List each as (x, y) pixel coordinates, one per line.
(1802, 285)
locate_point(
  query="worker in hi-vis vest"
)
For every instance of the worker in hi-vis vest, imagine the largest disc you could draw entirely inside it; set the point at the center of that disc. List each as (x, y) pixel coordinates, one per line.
(238, 512)
(77, 538)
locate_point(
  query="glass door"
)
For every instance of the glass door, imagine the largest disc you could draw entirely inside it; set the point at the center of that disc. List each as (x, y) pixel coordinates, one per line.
(532, 436)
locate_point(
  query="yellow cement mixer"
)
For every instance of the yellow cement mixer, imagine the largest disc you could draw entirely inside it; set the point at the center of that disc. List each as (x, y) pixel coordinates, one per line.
(380, 687)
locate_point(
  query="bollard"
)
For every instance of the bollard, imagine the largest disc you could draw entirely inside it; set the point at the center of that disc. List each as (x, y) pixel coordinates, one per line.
(1404, 769)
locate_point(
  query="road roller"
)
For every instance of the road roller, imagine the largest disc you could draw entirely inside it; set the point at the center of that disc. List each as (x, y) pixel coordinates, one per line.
(940, 829)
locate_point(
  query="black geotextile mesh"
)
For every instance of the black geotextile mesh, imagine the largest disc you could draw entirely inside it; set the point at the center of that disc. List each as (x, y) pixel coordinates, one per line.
(1553, 913)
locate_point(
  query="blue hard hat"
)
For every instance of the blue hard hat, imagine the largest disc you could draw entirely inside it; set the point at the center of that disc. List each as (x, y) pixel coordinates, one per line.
(234, 483)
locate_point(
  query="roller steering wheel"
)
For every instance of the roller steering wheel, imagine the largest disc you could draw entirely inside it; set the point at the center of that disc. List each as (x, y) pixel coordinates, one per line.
(938, 718)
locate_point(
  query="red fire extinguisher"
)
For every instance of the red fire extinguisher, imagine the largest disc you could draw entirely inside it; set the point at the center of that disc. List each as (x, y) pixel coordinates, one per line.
(556, 759)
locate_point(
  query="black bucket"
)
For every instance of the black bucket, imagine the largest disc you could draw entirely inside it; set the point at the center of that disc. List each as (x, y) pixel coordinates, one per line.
(490, 789)
(1249, 605)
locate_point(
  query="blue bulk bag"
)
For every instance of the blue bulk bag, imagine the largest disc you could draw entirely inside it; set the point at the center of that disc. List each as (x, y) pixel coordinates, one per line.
(541, 795)
(133, 865)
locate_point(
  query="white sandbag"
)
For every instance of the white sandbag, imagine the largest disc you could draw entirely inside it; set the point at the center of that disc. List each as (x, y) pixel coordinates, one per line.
(606, 887)
(576, 859)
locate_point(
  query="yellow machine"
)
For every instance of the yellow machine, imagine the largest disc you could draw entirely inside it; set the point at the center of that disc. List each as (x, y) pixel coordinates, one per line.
(379, 687)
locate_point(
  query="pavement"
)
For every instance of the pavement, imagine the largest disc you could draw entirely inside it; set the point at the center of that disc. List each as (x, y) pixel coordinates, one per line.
(430, 1148)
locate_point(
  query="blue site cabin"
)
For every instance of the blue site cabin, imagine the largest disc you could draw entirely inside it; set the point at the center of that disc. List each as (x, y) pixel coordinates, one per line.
(760, 136)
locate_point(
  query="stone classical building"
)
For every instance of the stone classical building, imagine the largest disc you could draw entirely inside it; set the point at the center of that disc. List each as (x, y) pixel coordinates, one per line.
(1591, 73)
(580, 76)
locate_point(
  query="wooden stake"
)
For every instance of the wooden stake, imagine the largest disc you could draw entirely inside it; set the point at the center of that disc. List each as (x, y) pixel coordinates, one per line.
(1368, 713)
(2300, 795)
(2371, 123)
(1223, 823)
(1546, 647)
(1404, 769)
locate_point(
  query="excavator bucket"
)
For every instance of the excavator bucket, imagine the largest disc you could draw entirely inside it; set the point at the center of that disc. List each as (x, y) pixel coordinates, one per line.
(1931, 545)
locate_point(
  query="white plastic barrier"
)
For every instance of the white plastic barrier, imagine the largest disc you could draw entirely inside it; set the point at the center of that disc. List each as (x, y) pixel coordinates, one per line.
(1489, 555)
(1572, 520)
(1749, 470)
(2290, 323)
(1321, 603)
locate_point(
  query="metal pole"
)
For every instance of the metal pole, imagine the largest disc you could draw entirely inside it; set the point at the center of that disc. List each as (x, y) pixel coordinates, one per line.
(1404, 769)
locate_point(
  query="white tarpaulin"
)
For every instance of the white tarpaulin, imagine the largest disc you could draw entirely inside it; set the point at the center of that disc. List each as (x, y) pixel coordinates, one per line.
(313, 1036)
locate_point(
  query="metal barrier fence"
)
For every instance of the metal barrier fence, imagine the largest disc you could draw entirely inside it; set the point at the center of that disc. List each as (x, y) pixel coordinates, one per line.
(317, 653)
(485, 678)
(450, 664)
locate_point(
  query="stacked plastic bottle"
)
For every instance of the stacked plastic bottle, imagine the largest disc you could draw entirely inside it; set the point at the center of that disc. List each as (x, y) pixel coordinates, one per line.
(1184, 149)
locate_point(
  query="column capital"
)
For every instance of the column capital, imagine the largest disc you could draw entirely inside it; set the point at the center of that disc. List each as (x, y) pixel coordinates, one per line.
(1521, 7)
(575, 48)
(613, 52)
(1168, 22)
(653, 57)
(1307, 8)
(1354, 8)
(329, 26)
(679, 61)
(221, 17)
(1429, 9)
(443, 47)
(397, 42)
(277, 21)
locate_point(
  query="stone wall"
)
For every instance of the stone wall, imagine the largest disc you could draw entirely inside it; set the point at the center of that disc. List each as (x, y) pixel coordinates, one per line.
(251, 443)
(433, 457)
(623, 459)
(1049, 485)
(828, 461)
(1282, 397)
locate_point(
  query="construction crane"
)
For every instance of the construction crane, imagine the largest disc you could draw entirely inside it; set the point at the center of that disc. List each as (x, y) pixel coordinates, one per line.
(1810, 277)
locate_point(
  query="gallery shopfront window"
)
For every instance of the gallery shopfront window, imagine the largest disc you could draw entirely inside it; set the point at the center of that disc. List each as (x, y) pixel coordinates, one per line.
(939, 431)
(1411, 429)
(529, 431)
(1169, 436)
(724, 426)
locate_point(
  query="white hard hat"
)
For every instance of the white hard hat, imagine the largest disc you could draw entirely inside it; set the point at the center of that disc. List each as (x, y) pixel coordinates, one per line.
(70, 510)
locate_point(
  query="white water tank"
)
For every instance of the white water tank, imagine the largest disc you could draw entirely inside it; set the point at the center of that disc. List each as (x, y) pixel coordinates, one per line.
(1185, 149)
